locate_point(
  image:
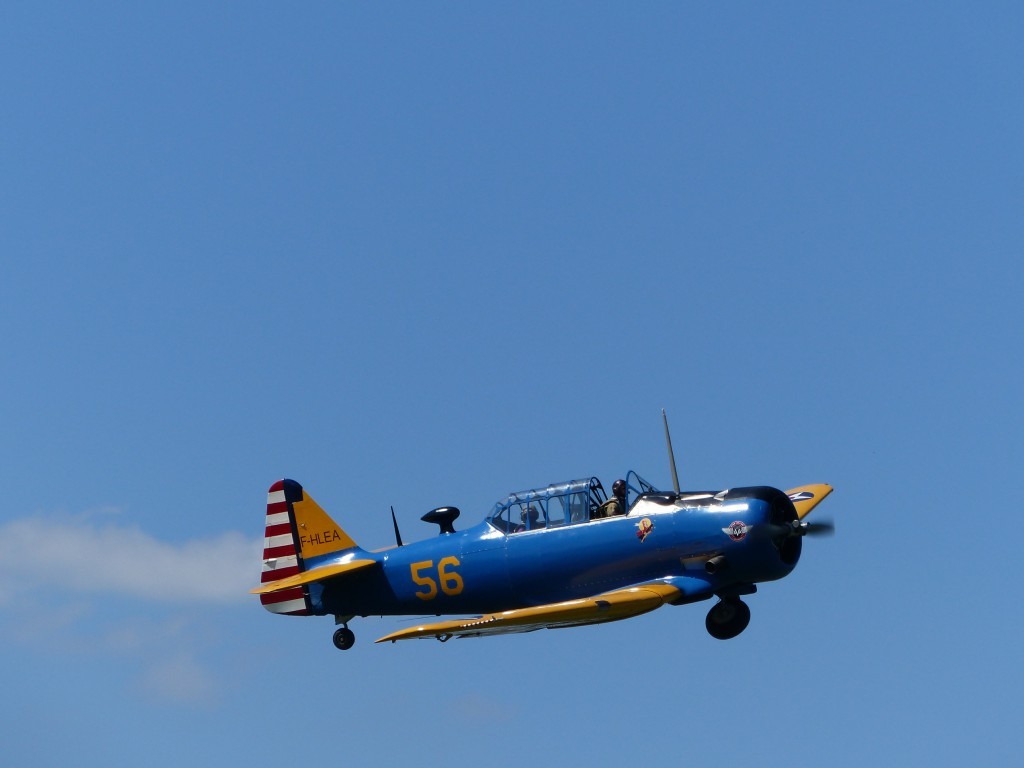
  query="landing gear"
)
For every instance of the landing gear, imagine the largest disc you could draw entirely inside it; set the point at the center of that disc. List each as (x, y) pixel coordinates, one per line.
(727, 618)
(344, 639)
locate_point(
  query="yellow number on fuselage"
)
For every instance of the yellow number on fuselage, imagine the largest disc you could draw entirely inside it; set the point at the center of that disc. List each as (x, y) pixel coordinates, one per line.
(451, 581)
(424, 581)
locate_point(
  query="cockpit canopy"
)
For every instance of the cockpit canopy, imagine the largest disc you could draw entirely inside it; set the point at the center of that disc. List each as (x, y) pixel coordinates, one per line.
(558, 504)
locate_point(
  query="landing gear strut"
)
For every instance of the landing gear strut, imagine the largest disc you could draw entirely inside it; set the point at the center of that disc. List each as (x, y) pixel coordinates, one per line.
(727, 618)
(344, 639)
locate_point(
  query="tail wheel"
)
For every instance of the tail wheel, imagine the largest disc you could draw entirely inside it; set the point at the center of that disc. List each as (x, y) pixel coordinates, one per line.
(344, 639)
(727, 619)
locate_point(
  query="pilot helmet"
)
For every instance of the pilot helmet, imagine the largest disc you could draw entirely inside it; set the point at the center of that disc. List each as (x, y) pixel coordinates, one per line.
(619, 488)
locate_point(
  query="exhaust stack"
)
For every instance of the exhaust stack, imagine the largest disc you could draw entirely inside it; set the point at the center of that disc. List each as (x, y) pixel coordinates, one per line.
(716, 564)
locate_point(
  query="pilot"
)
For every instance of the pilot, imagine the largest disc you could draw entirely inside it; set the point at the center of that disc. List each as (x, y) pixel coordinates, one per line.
(616, 505)
(531, 519)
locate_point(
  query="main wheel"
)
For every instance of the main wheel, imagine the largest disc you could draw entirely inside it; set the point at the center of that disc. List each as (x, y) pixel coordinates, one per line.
(727, 619)
(344, 639)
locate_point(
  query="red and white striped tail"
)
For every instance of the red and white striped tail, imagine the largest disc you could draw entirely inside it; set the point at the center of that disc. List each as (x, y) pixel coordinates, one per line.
(281, 554)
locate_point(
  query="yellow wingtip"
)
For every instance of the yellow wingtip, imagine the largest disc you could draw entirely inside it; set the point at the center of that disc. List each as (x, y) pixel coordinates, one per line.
(807, 497)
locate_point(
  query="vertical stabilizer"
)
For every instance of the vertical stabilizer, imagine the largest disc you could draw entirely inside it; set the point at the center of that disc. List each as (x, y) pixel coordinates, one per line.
(297, 529)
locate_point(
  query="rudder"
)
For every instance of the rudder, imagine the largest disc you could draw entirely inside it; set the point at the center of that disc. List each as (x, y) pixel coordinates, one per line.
(297, 529)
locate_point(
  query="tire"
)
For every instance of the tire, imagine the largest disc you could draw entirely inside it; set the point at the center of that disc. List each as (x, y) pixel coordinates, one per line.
(727, 619)
(344, 639)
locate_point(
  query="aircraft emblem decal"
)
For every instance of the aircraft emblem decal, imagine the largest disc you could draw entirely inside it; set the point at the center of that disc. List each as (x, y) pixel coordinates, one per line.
(644, 528)
(802, 496)
(737, 531)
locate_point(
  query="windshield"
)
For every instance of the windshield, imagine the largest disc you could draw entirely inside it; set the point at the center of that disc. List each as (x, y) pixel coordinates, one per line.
(636, 486)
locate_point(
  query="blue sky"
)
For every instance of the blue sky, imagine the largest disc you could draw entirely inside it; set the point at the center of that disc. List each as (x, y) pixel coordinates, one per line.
(417, 255)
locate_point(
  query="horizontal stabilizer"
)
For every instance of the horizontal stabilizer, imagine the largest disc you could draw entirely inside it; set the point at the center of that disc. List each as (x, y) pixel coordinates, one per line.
(315, 575)
(807, 497)
(611, 606)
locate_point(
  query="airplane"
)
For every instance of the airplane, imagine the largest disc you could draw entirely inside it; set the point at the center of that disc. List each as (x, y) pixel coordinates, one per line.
(563, 555)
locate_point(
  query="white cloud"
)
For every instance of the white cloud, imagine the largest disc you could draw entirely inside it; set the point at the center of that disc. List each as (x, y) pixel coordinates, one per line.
(180, 678)
(83, 556)
(67, 586)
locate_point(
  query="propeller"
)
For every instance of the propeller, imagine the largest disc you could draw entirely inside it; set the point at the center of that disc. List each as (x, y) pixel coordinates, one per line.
(787, 536)
(799, 528)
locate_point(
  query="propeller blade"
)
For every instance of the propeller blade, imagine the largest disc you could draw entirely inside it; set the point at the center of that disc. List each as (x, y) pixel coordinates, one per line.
(821, 528)
(798, 528)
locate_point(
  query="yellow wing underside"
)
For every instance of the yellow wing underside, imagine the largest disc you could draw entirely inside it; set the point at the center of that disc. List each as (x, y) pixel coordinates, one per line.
(611, 606)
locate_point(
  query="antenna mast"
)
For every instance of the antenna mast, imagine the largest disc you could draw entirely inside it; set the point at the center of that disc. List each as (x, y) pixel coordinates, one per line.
(671, 456)
(394, 520)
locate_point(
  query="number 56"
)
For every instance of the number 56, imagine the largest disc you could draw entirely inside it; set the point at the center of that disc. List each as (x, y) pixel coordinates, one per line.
(451, 581)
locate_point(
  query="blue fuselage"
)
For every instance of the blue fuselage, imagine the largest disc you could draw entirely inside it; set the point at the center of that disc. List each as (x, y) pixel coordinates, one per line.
(483, 569)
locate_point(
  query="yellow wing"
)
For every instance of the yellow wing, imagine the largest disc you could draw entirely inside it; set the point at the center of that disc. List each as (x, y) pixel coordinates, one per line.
(611, 606)
(317, 574)
(807, 497)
